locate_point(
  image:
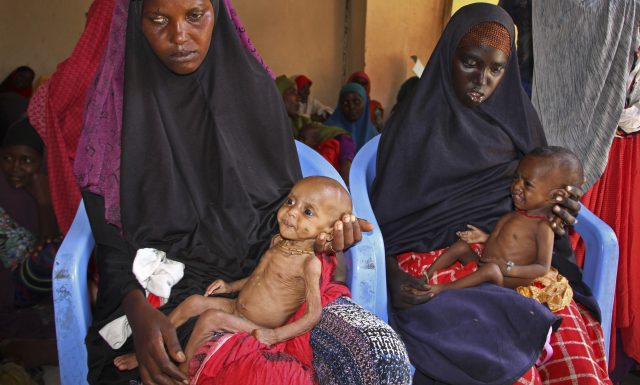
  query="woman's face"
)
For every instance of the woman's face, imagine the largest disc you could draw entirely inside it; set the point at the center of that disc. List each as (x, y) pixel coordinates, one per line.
(179, 32)
(477, 71)
(352, 106)
(19, 164)
(291, 100)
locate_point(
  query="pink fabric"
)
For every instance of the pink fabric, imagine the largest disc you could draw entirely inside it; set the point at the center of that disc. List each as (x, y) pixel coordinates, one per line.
(97, 166)
(56, 109)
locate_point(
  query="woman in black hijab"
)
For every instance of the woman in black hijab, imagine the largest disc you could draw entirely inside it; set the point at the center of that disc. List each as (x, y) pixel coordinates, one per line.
(446, 159)
(207, 158)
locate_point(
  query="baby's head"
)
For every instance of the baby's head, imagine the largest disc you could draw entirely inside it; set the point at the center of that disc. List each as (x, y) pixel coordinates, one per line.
(543, 175)
(312, 207)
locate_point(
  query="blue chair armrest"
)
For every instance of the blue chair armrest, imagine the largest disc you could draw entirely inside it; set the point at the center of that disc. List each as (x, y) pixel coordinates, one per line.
(365, 274)
(367, 257)
(600, 265)
(71, 299)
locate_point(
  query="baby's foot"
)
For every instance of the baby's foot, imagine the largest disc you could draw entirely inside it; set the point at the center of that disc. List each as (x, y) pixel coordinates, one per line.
(126, 362)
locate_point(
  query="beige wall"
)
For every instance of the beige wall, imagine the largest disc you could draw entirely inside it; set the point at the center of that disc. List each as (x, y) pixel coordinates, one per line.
(299, 37)
(396, 30)
(39, 33)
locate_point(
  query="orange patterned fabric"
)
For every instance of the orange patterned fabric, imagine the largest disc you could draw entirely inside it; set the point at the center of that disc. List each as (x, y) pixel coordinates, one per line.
(490, 34)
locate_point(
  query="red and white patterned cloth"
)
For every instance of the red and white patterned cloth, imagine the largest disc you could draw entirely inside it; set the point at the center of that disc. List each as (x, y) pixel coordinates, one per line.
(578, 346)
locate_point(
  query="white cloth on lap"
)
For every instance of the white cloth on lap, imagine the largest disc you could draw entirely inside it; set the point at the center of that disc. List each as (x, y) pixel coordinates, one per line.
(156, 274)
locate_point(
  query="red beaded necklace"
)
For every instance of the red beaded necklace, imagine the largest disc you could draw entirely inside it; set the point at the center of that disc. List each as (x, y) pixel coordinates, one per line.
(524, 214)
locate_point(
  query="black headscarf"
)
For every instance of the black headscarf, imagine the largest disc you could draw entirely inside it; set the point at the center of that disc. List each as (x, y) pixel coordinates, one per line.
(22, 133)
(442, 165)
(12, 107)
(206, 158)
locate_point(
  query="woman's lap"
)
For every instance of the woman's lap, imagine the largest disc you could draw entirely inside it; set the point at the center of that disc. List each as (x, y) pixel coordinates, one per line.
(350, 346)
(578, 344)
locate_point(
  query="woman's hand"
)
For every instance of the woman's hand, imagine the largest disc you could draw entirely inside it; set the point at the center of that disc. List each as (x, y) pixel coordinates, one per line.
(405, 291)
(155, 340)
(39, 189)
(346, 233)
(566, 210)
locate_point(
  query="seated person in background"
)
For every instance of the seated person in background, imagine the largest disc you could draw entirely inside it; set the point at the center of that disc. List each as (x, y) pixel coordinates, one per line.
(19, 81)
(375, 107)
(310, 106)
(520, 247)
(352, 114)
(17, 203)
(332, 142)
(27, 334)
(287, 276)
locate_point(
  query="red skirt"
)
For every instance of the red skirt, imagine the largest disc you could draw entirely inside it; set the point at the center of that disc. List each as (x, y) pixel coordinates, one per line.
(614, 199)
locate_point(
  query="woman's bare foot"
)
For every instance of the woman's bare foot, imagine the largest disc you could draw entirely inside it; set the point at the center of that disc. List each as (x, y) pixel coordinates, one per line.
(126, 362)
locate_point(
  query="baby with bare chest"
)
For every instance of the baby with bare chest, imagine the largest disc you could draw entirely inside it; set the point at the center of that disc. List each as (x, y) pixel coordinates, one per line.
(287, 276)
(519, 249)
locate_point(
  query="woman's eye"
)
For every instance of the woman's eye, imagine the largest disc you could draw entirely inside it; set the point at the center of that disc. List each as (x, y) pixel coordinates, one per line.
(195, 16)
(308, 212)
(27, 160)
(289, 202)
(496, 69)
(528, 184)
(469, 63)
(159, 19)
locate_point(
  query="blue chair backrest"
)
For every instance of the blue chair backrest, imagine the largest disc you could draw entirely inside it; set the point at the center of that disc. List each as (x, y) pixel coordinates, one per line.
(601, 259)
(71, 297)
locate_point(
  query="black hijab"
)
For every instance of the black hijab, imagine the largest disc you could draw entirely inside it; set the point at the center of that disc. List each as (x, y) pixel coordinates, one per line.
(442, 165)
(206, 158)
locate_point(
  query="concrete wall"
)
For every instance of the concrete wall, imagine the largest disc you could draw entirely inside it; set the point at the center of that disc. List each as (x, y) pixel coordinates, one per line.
(396, 30)
(39, 33)
(299, 37)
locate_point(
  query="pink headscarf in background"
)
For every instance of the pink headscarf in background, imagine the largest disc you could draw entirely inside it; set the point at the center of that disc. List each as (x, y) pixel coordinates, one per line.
(56, 109)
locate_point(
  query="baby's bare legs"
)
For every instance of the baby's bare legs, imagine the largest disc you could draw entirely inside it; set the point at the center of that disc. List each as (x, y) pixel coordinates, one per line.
(214, 321)
(190, 307)
(489, 272)
(459, 251)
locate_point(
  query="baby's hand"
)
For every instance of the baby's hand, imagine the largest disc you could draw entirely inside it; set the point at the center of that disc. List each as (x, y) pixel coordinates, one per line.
(217, 287)
(266, 336)
(473, 235)
(433, 290)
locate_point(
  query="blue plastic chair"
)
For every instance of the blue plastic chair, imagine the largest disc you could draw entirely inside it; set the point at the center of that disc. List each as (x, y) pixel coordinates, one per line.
(71, 297)
(601, 259)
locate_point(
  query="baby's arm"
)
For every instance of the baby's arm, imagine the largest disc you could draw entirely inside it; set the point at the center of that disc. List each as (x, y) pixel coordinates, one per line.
(473, 235)
(219, 286)
(544, 243)
(312, 270)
